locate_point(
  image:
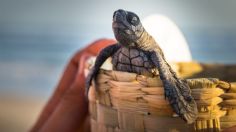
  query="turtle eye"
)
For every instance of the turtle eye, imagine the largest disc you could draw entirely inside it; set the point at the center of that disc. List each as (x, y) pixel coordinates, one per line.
(134, 20)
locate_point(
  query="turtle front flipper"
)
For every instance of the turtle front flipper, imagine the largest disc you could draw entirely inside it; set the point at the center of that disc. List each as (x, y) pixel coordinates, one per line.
(101, 58)
(176, 90)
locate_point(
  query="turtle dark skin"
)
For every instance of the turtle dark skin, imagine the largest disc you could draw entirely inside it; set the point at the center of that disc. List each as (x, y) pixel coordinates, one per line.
(136, 51)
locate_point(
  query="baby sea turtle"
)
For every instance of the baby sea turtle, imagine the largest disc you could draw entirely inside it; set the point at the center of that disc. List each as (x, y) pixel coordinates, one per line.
(136, 51)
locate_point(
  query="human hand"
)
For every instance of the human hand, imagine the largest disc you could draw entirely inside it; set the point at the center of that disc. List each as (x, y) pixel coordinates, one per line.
(67, 109)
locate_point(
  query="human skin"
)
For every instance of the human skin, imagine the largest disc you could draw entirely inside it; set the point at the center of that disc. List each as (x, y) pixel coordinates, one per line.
(67, 109)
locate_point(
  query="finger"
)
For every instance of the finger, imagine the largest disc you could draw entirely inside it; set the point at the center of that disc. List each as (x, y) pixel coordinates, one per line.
(70, 112)
(82, 66)
(67, 79)
(78, 114)
(73, 106)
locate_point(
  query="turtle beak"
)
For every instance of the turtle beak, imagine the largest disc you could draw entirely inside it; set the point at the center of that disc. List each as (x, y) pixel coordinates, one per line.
(119, 15)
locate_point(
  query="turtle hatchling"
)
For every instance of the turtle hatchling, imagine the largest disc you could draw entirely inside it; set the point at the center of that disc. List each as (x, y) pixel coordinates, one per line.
(136, 51)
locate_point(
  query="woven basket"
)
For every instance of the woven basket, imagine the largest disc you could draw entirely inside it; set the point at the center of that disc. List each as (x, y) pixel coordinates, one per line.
(229, 104)
(130, 102)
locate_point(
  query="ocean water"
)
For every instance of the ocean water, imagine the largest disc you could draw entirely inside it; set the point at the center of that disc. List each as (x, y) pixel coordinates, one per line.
(32, 65)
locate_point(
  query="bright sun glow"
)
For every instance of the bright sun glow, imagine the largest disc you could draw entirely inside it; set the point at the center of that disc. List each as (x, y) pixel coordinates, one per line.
(169, 37)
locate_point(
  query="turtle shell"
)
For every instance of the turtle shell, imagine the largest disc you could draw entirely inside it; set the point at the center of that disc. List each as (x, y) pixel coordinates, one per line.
(133, 60)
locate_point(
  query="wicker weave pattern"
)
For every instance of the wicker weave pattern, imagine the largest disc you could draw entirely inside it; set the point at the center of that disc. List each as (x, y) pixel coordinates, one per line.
(131, 102)
(229, 104)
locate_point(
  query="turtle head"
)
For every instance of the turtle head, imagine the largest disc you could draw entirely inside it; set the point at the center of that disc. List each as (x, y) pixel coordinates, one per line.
(127, 27)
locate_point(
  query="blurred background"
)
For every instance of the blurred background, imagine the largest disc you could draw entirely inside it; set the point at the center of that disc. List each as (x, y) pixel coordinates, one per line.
(37, 38)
